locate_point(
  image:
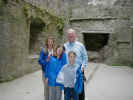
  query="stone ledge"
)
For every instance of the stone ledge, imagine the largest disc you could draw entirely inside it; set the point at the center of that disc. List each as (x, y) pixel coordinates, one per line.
(131, 27)
(97, 18)
(33, 56)
(97, 31)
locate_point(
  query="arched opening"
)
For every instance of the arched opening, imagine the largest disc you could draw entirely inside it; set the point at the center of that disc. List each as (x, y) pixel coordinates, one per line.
(95, 42)
(36, 34)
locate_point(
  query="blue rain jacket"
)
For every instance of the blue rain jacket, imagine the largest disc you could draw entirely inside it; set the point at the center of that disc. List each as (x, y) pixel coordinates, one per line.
(42, 59)
(78, 87)
(53, 67)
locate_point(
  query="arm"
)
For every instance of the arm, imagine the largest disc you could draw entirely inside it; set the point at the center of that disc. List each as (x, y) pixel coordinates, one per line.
(42, 59)
(64, 59)
(60, 76)
(84, 57)
(78, 87)
(61, 62)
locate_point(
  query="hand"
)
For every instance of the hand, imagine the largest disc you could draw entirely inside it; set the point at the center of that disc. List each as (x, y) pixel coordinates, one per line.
(46, 80)
(82, 69)
(48, 58)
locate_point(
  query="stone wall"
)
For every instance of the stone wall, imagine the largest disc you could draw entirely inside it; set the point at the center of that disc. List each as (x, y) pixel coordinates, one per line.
(106, 16)
(113, 17)
(12, 39)
(17, 20)
(25, 25)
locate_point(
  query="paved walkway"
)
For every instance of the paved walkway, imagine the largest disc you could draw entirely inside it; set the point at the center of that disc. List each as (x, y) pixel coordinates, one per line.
(29, 87)
(111, 83)
(103, 83)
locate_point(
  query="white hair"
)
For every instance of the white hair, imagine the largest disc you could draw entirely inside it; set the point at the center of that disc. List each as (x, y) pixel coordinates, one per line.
(71, 30)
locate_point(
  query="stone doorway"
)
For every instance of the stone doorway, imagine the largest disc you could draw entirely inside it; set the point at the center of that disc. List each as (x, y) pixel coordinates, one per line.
(95, 43)
(36, 39)
(36, 36)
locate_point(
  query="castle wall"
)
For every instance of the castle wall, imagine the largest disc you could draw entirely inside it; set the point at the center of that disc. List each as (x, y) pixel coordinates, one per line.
(106, 16)
(16, 21)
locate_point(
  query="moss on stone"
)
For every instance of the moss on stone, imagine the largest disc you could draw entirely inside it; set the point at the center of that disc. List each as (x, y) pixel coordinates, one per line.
(5, 1)
(60, 25)
(32, 12)
(19, 18)
(9, 78)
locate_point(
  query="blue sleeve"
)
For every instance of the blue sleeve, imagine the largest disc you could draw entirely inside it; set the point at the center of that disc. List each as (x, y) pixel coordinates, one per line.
(46, 71)
(42, 59)
(50, 67)
(78, 87)
(61, 62)
(60, 78)
(64, 59)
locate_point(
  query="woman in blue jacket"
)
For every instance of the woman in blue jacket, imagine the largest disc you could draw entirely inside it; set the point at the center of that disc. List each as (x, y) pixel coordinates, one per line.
(53, 67)
(45, 53)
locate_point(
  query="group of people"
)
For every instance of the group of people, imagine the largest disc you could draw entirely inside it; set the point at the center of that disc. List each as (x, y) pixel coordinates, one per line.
(63, 68)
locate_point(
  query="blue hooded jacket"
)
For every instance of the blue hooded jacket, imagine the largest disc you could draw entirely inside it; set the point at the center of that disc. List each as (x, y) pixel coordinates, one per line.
(53, 67)
(42, 59)
(78, 87)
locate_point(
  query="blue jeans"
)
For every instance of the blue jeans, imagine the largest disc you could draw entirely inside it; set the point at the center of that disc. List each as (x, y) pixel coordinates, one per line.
(69, 92)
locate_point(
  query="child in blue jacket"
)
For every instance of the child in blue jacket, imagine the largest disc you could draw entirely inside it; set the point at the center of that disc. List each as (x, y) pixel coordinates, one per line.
(71, 77)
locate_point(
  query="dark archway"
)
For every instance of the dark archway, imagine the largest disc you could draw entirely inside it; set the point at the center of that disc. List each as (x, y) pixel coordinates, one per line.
(95, 41)
(36, 28)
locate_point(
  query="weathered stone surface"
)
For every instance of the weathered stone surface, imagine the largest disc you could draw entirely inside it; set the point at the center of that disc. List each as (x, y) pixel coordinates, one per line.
(111, 16)
(16, 20)
(25, 25)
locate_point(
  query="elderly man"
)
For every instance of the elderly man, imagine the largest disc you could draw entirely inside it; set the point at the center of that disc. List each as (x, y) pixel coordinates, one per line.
(73, 45)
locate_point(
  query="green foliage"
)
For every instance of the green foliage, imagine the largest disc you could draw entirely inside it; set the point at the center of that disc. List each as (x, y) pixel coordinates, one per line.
(10, 78)
(5, 1)
(116, 64)
(130, 65)
(17, 1)
(26, 10)
(60, 25)
(44, 19)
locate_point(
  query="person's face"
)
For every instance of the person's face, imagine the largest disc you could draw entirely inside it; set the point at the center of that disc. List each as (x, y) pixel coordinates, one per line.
(71, 36)
(59, 51)
(50, 43)
(71, 58)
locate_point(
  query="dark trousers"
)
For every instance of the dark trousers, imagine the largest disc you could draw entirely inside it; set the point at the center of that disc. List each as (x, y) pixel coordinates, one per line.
(70, 93)
(82, 94)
